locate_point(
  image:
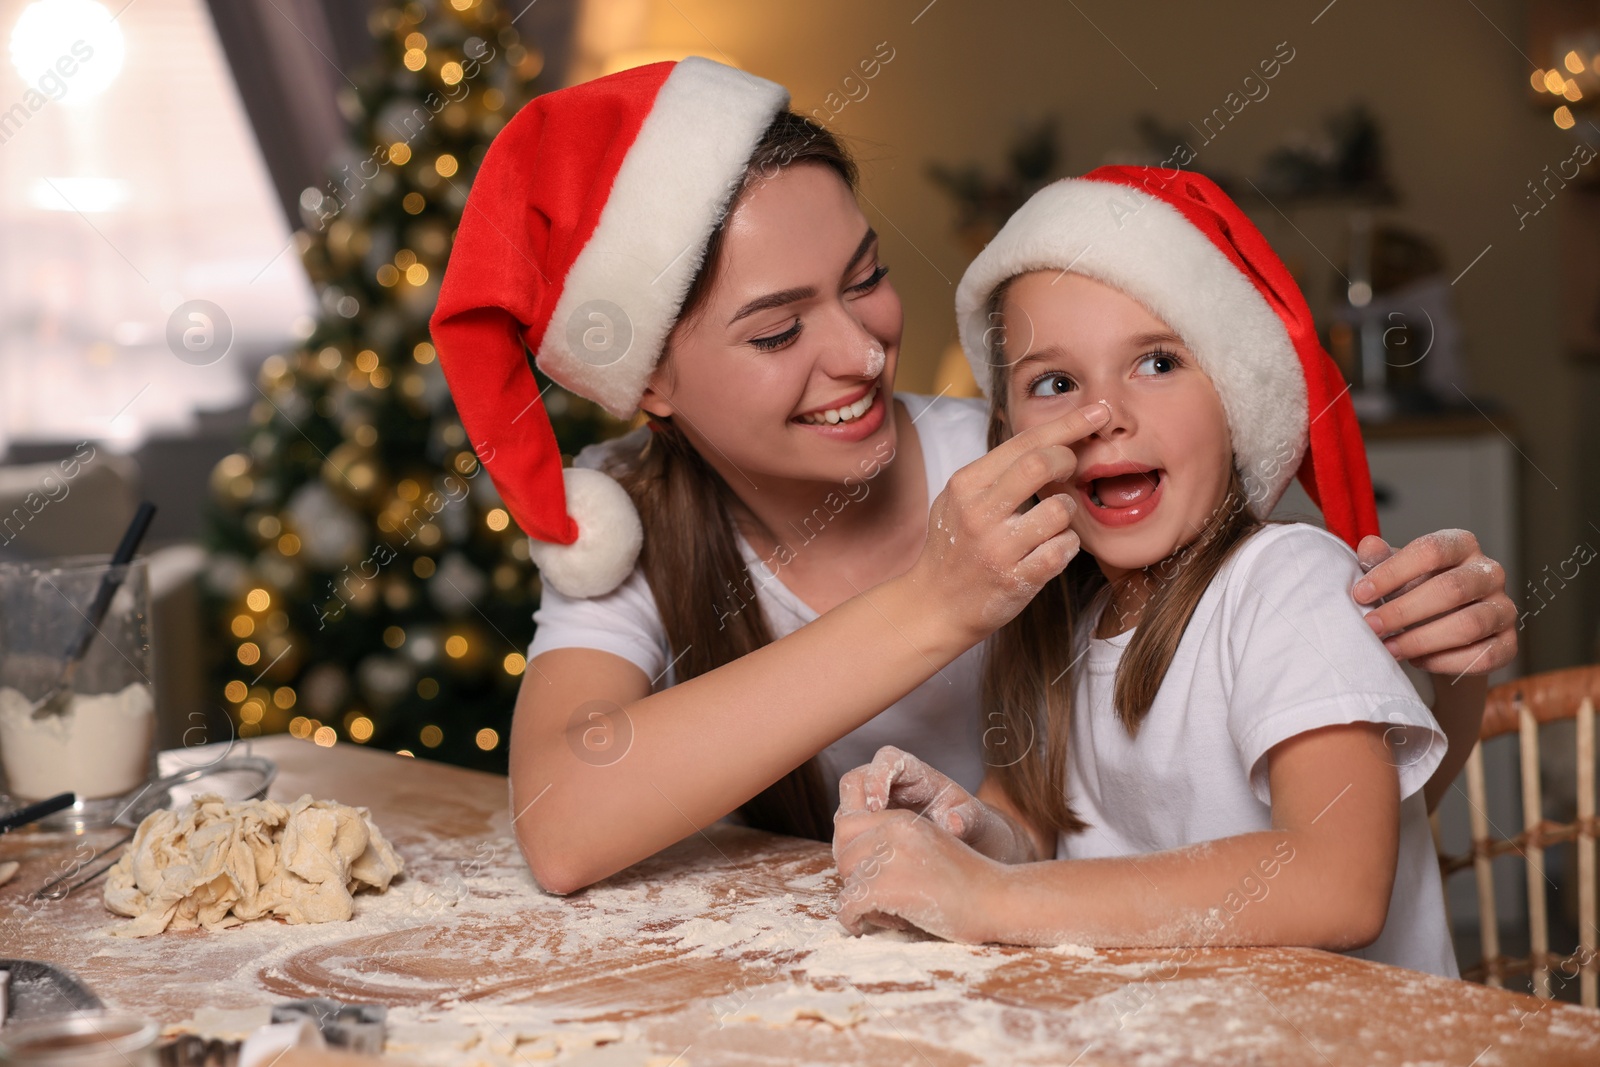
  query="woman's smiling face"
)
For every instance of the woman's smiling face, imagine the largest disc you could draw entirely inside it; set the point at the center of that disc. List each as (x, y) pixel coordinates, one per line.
(1150, 480)
(787, 367)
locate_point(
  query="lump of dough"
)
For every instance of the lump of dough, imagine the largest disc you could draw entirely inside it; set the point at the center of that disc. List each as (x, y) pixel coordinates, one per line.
(217, 863)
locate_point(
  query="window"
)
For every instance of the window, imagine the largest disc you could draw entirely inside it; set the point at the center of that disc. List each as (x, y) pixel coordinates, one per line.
(130, 184)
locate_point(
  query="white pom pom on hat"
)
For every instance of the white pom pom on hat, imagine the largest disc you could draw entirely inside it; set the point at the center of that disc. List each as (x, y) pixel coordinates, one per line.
(592, 565)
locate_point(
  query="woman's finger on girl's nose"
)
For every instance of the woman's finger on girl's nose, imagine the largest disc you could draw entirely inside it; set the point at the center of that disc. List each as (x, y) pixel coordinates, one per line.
(1075, 425)
(1030, 472)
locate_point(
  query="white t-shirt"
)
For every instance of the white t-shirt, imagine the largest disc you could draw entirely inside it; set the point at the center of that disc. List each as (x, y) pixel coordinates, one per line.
(937, 722)
(1276, 647)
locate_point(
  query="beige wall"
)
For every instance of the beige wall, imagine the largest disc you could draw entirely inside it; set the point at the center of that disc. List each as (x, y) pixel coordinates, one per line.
(1446, 85)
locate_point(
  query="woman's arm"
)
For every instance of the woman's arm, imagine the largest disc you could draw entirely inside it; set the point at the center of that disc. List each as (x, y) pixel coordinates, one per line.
(701, 748)
(1458, 706)
(1449, 616)
(1321, 877)
(604, 774)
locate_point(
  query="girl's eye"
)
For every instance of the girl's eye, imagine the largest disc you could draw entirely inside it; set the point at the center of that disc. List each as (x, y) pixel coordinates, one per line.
(778, 340)
(1159, 363)
(1051, 385)
(872, 280)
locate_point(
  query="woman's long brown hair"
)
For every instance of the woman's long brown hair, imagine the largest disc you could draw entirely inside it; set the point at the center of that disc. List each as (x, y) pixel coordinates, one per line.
(701, 585)
(1029, 670)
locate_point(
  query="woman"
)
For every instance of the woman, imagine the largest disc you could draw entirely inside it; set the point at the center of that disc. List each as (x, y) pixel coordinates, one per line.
(820, 558)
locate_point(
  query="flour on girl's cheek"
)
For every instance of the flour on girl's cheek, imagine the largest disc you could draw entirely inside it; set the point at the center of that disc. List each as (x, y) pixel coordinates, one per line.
(876, 358)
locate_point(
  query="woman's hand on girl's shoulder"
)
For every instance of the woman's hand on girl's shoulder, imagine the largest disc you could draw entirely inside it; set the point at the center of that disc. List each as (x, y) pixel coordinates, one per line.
(985, 557)
(1450, 613)
(898, 871)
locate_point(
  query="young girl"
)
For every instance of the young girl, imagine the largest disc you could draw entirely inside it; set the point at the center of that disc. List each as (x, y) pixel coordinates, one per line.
(1242, 759)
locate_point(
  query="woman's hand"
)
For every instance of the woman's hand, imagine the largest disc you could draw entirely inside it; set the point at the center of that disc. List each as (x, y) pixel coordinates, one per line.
(1450, 613)
(899, 871)
(896, 779)
(985, 557)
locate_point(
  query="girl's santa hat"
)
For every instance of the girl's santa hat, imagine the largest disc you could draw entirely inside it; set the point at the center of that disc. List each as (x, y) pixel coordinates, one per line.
(586, 224)
(1177, 244)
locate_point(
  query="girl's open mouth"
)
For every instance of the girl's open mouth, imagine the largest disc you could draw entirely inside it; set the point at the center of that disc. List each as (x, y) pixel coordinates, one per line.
(1124, 499)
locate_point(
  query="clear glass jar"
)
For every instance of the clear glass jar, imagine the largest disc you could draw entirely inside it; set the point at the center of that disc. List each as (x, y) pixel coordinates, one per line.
(104, 745)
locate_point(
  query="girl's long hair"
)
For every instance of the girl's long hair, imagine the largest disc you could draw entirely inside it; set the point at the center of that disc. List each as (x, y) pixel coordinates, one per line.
(1030, 667)
(702, 587)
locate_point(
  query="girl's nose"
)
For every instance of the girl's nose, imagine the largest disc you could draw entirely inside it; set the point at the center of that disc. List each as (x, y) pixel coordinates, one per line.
(1124, 416)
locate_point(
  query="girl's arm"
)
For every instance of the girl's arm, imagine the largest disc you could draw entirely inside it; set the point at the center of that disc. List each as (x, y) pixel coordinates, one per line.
(1450, 616)
(604, 773)
(1321, 877)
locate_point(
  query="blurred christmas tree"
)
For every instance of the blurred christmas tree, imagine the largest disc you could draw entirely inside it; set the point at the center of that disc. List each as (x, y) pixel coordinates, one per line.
(368, 583)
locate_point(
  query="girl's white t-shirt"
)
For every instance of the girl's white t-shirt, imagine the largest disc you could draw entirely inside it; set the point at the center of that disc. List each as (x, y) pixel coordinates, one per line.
(938, 721)
(1277, 647)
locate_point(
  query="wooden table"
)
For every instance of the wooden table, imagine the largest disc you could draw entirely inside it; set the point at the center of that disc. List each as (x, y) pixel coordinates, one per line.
(724, 950)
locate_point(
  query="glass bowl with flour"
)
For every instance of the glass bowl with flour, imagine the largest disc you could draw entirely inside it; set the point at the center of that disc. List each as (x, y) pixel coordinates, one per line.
(103, 745)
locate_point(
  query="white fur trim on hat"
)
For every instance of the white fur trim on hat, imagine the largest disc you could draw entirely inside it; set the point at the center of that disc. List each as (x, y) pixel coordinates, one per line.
(1145, 248)
(609, 537)
(673, 188)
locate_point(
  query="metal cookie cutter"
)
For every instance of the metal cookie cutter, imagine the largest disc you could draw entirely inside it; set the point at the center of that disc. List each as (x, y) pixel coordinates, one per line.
(353, 1027)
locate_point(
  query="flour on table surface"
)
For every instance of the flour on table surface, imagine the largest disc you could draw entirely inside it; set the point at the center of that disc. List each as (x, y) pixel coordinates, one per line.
(697, 959)
(1081, 952)
(782, 1006)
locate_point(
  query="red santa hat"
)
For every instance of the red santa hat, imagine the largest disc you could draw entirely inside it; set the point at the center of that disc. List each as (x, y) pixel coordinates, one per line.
(586, 224)
(1178, 245)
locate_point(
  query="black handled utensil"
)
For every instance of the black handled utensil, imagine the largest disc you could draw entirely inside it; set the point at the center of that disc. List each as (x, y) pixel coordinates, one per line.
(35, 812)
(55, 701)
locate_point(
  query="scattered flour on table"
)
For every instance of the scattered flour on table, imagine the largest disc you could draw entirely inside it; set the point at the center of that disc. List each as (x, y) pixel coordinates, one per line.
(792, 942)
(801, 973)
(1081, 952)
(781, 1006)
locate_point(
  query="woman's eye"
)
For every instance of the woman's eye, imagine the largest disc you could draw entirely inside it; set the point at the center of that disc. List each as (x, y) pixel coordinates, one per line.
(1051, 385)
(1159, 363)
(872, 280)
(777, 340)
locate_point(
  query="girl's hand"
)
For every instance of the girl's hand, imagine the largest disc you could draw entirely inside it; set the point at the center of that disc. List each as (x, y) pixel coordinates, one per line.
(899, 871)
(1450, 613)
(896, 779)
(985, 557)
